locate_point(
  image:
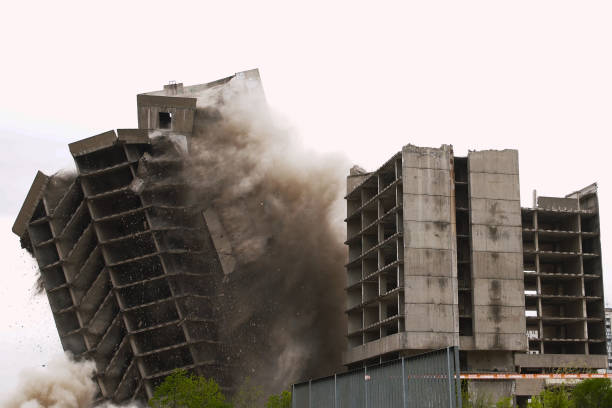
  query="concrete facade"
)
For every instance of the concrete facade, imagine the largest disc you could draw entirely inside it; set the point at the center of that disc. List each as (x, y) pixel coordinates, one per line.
(609, 337)
(518, 289)
(128, 261)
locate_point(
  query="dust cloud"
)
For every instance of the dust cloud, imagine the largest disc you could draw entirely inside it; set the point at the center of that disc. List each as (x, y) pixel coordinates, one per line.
(282, 208)
(63, 383)
(281, 311)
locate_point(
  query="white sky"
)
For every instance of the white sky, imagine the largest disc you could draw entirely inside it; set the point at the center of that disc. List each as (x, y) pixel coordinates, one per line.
(363, 78)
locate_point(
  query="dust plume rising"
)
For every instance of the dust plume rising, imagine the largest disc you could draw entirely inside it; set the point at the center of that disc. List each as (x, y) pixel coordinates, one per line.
(63, 383)
(281, 206)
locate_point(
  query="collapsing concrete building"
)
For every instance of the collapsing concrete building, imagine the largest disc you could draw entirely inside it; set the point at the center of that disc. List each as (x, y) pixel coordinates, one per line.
(129, 261)
(442, 254)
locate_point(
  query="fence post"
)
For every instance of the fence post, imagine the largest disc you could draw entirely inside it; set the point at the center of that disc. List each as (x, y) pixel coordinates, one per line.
(404, 382)
(450, 382)
(309, 393)
(293, 402)
(335, 391)
(458, 378)
(365, 380)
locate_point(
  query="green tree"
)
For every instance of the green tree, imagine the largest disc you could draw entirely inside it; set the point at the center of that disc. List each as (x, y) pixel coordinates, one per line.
(553, 398)
(282, 400)
(593, 393)
(183, 390)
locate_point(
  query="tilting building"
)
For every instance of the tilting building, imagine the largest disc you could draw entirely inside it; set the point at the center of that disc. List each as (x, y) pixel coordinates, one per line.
(128, 260)
(440, 253)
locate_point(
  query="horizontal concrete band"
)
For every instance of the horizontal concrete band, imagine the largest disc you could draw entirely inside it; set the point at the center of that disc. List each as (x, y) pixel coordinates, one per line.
(494, 161)
(166, 101)
(136, 136)
(31, 201)
(399, 342)
(561, 360)
(93, 143)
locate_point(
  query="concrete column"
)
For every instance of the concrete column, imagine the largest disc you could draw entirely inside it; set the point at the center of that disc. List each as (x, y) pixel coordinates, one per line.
(430, 267)
(497, 251)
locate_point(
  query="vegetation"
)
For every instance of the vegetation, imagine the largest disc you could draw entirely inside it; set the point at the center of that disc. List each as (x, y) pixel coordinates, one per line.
(593, 393)
(183, 390)
(282, 400)
(552, 398)
(590, 393)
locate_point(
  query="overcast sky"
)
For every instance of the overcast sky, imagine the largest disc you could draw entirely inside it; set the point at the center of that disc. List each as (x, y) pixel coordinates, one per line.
(362, 78)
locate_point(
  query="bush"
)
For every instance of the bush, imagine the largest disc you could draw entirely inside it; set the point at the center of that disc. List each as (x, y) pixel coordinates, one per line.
(283, 400)
(183, 390)
(593, 393)
(553, 398)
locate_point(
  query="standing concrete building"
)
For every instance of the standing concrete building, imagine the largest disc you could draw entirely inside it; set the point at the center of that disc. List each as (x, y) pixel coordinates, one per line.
(440, 253)
(129, 261)
(609, 337)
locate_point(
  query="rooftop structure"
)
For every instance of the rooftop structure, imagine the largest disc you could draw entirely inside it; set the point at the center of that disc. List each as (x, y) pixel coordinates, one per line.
(440, 253)
(128, 260)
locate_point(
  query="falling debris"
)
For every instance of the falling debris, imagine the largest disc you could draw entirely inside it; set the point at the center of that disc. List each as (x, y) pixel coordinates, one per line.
(210, 243)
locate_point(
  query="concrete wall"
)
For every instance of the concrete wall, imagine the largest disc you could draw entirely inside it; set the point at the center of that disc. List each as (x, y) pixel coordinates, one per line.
(491, 391)
(430, 268)
(560, 360)
(497, 274)
(182, 110)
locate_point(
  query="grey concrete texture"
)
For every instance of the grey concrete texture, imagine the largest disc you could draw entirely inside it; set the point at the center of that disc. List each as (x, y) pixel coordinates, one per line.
(35, 193)
(400, 342)
(529, 386)
(495, 319)
(426, 181)
(136, 136)
(427, 157)
(494, 161)
(354, 180)
(93, 143)
(501, 341)
(497, 265)
(222, 244)
(494, 186)
(428, 235)
(428, 289)
(497, 238)
(428, 262)
(419, 207)
(492, 390)
(491, 360)
(495, 212)
(429, 317)
(557, 203)
(560, 360)
(500, 292)
(182, 118)
(166, 101)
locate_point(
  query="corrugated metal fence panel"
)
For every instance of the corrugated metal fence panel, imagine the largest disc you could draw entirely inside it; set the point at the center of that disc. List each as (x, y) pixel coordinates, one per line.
(427, 381)
(350, 390)
(322, 393)
(384, 387)
(424, 381)
(301, 396)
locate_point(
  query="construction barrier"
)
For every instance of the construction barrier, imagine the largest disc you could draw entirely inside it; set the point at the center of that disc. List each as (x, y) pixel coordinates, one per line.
(511, 376)
(429, 380)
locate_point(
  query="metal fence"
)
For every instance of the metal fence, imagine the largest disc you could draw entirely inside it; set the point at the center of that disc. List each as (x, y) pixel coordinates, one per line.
(428, 380)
